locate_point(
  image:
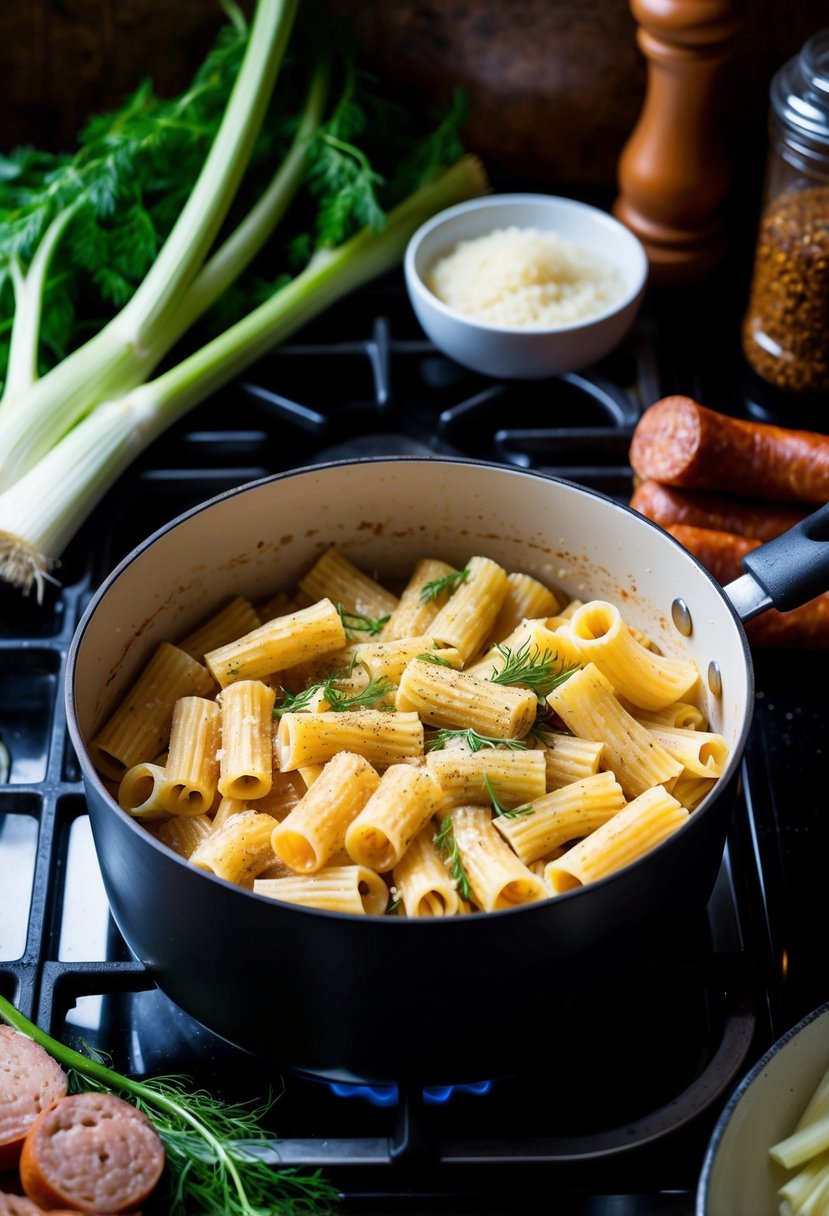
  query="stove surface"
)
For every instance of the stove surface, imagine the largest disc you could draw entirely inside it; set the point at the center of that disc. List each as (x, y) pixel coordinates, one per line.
(618, 1130)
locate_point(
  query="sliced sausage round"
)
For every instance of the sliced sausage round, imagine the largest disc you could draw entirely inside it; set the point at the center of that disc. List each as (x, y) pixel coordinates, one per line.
(92, 1152)
(30, 1080)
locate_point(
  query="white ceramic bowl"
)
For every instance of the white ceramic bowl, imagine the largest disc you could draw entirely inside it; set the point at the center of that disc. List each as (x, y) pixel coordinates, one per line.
(738, 1177)
(526, 353)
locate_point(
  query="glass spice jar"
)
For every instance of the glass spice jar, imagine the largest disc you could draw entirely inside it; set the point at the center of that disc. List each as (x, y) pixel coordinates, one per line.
(785, 332)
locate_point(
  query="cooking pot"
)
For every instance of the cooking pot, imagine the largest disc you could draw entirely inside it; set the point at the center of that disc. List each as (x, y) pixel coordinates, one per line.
(385, 998)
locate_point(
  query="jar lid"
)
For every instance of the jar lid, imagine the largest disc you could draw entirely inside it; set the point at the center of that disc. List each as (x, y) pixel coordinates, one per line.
(800, 89)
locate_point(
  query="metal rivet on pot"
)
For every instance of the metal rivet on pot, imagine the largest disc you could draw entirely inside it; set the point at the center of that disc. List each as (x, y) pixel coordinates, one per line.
(715, 678)
(681, 615)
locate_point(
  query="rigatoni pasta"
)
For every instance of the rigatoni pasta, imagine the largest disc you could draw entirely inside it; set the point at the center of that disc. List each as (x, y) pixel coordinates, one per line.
(449, 752)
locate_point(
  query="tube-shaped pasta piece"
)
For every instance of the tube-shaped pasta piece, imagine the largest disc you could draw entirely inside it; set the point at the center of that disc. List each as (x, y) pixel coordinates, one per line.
(382, 738)
(285, 641)
(569, 813)
(640, 676)
(448, 698)
(336, 578)
(238, 850)
(246, 768)
(316, 828)
(631, 833)
(226, 808)
(287, 789)
(466, 620)
(140, 726)
(403, 802)
(526, 599)
(534, 640)
(701, 753)
(517, 777)
(138, 792)
(352, 889)
(497, 878)
(806, 1192)
(569, 758)
(422, 880)
(278, 604)
(588, 707)
(679, 713)
(390, 659)
(690, 791)
(416, 609)
(184, 833)
(235, 619)
(192, 767)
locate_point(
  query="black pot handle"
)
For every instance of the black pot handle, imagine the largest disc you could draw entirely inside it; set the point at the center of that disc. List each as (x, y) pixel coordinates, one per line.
(787, 571)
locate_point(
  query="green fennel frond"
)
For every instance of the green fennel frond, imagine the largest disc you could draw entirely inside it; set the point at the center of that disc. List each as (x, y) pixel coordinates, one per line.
(500, 811)
(437, 587)
(532, 668)
(473, 740)
(445, 840)
(353, 623)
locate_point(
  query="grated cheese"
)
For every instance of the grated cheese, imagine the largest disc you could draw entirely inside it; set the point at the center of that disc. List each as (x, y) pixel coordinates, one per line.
(522, 277)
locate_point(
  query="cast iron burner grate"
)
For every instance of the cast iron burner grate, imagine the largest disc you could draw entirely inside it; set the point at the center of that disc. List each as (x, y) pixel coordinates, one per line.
(362, 381)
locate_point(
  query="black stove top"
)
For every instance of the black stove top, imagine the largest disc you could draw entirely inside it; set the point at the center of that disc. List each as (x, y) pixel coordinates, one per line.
(618, 1122)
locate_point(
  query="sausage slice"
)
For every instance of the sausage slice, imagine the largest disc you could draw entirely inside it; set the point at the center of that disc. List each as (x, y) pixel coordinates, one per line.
(91, 1152)
(30, 1080)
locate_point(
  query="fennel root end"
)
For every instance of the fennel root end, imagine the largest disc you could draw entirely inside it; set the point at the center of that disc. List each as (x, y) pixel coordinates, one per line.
(23, 567)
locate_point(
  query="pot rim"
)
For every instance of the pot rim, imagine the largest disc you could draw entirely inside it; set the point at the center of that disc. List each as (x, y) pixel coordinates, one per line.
(90, 773)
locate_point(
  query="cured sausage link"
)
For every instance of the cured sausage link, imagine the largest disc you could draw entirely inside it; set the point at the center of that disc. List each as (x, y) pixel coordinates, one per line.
(681, 443)
(722, 555)
(91, 1152)
(700, 509)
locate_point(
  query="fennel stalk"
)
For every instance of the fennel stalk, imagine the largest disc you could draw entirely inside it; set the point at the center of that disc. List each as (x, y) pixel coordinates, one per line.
(41, 511)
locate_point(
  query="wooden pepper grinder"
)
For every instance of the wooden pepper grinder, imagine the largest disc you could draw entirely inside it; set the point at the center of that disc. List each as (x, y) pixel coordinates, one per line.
(674, 170)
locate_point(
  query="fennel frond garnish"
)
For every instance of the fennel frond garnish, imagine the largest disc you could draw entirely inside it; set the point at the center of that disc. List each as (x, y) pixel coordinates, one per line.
(355, 622)
(473, 740)
(437, 587)
(337, 699)
(445, 840)
(532, 668)
(500, 811)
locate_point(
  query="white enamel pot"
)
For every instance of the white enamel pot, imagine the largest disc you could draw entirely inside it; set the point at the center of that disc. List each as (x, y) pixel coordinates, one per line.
(370, 997)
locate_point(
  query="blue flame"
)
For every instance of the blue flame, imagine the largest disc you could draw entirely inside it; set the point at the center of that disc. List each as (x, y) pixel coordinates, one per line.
(387, 1095)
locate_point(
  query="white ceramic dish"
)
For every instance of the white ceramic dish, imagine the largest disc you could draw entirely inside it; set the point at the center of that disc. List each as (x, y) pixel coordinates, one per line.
(738, 1177)
(527, 353)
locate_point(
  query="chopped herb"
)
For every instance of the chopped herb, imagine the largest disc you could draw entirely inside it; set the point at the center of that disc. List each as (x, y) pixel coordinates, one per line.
(500, 811)
(437, 587)
(393, 906)
(532, 668)
(432, 656)
(542, 731)
(353, 622)
(364, 699)
(445, 839)
(338, 700)
(473, 740)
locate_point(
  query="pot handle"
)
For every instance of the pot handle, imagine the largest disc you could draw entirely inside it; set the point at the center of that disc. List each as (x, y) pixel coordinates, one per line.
(785, 572)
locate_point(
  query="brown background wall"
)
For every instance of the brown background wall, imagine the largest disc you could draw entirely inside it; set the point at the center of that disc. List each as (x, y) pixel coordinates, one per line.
(556, 85)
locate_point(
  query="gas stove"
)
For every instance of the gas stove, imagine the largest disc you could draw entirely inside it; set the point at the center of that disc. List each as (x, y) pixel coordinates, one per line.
(618, 1121)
